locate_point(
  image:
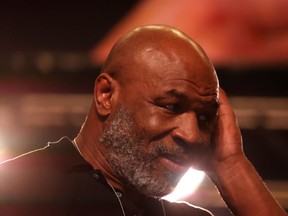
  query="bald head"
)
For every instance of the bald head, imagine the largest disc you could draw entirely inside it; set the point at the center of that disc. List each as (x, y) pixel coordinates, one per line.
(149, 46)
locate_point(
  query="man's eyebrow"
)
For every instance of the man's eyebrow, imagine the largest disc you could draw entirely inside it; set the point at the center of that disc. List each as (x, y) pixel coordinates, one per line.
(182, 96)
(175, 93)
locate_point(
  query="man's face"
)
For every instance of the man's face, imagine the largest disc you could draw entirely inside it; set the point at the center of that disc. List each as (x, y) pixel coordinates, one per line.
(130, 159)
(164, 123)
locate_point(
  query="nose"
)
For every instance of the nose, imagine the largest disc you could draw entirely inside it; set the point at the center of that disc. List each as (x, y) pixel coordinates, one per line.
(187, 131)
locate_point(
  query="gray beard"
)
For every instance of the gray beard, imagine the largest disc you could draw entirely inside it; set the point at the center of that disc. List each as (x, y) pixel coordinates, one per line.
(128, 158)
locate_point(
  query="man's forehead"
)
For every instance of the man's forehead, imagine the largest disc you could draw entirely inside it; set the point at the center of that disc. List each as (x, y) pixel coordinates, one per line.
(174, 64)
(185, 91)
(187, 85)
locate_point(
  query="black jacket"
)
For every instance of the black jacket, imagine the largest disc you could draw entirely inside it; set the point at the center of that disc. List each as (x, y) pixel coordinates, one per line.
(56, 180)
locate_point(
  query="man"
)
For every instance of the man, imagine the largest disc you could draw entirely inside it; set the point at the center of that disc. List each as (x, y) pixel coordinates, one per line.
(157, 111)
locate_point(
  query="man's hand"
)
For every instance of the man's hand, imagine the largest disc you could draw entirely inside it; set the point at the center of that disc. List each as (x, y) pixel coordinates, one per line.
(227, 140)
(235, 177)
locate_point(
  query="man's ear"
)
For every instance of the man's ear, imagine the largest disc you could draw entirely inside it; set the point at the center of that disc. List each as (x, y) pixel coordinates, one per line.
(104, 90)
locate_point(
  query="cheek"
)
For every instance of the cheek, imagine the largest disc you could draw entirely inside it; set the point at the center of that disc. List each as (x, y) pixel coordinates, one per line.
(153, 121)
(145, 116)
(152, 124)
(150, 128)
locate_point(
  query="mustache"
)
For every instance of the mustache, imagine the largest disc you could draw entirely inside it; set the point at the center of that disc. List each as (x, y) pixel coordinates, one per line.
(180, 154)
(168, 150)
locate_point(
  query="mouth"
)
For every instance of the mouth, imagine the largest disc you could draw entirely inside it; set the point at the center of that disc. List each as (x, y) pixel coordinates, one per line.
(174, 164)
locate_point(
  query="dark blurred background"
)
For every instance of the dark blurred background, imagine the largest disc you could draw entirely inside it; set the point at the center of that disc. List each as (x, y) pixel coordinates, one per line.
(52, 51)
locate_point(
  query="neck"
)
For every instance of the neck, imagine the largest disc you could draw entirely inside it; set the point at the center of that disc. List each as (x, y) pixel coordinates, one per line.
(96, 158)
(98, 161)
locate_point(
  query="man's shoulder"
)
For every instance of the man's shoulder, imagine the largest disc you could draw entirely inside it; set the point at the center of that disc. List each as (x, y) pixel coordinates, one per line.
(20, 176)
(38, 160)
(182, 208)
(33, 167)
(18, 164)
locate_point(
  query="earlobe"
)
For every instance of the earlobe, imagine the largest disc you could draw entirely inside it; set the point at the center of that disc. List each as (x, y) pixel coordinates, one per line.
(103, 91)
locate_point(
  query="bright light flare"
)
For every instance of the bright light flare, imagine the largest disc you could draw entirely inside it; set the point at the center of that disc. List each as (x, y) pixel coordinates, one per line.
(187, 185)
(2, 149)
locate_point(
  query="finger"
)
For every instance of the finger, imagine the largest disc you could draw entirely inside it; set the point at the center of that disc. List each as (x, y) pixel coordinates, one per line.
(228, 138)
(226, 114)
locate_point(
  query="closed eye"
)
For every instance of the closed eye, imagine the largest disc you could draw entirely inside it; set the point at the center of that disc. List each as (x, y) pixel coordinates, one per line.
(204, 118)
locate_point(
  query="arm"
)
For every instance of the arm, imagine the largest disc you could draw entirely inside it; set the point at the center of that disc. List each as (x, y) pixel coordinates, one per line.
(235, 177)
